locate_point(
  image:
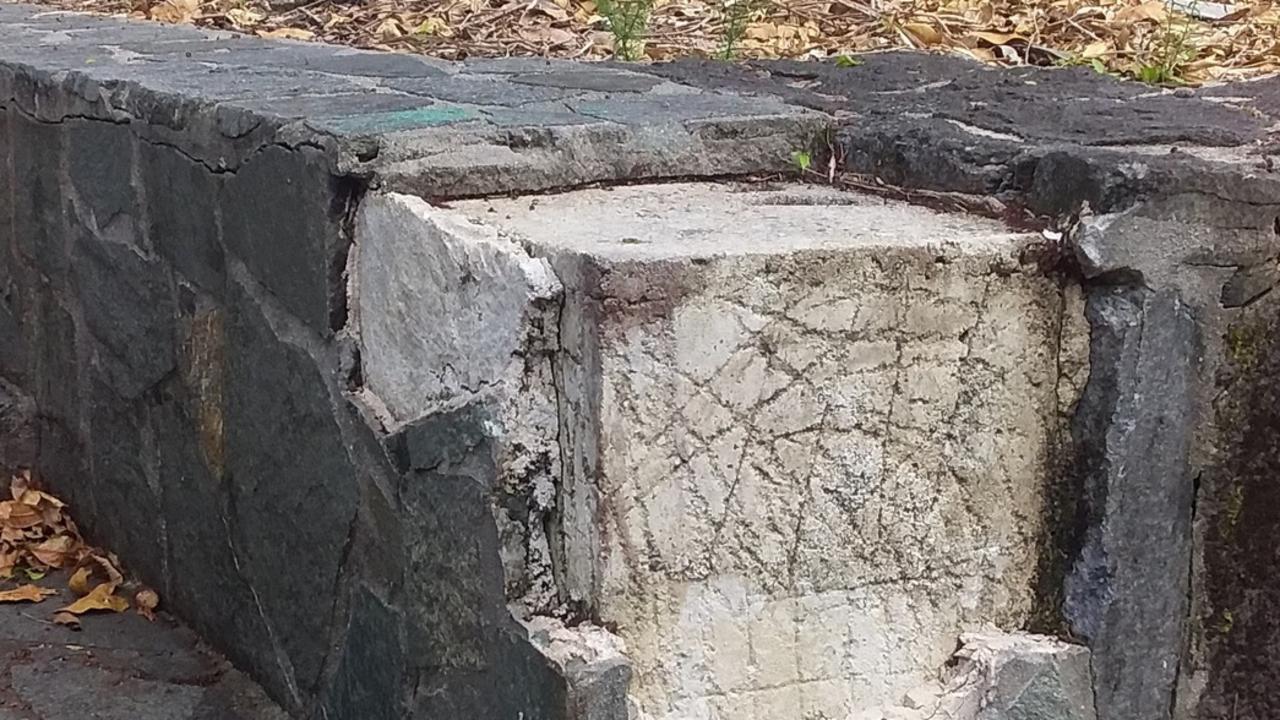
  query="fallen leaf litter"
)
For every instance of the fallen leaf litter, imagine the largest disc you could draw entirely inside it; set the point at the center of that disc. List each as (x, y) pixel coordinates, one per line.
(1164, 41)
(38, 536)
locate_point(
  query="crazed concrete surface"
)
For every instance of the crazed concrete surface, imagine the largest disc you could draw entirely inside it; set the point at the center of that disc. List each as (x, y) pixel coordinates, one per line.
(784, 425)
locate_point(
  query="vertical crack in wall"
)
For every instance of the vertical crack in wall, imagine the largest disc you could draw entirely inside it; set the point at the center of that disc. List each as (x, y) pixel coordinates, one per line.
(283, 663)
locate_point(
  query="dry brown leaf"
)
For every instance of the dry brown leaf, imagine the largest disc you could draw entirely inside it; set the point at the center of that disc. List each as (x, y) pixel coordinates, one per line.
(9, 558)
(994, 38)
(925, 34)
(550, 37)
(80, 579)
(390, 29)
(110, 566)
(433, 26)
(20, 483)
(175, 11)
(14, 514)
(56, 552)
(288, 34)
(36, 499)
(147, 600)
(1155, 10)
(26, 593)
(102, 597)
(1096, 50)
(243, 18)
(67, 619)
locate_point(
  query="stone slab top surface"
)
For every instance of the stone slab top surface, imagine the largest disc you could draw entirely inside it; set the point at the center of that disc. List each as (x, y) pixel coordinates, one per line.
(683, 220)
(1046, 137)
(420, 124)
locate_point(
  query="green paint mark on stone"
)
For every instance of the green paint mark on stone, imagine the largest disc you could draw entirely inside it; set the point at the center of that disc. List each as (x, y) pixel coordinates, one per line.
(381, 122)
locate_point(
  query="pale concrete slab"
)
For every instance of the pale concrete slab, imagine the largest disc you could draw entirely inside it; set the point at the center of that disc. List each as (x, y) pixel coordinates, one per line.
(682, 220)
(802, 435)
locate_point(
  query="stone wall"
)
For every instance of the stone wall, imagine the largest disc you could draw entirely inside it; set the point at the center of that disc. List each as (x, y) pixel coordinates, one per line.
(403, 454)
(182, 363)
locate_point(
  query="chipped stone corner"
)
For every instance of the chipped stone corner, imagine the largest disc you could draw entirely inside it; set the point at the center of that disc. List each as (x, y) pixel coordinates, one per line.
(997, 675)
(593, 662)
(452, 314)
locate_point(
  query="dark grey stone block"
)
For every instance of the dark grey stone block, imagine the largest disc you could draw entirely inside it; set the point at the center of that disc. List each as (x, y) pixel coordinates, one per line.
(126, 481)
(1127, 592)
(14, 355)
(207, 586)
(282, 215)
(472, 658)
(57, 361)
(38, 217)
(16, 295)
(100, 171)
(379, 551)
(599, 691)
(369, 682)
(535, 115)
(479, 90)
(367, 64)
(182, 212)
(19, 440)
(321, 110)
(292, 484)
(665, 109)
(128, 309)
(594, 79)
(1240, 506)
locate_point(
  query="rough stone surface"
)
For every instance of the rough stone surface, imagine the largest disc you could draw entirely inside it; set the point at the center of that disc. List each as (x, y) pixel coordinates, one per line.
(470, 655)
(1186, 195)
(1130, 605)
(162, 296)
(1241, 599)
(1047, 139)
(781, 459)
(448, 314)
(417, 124)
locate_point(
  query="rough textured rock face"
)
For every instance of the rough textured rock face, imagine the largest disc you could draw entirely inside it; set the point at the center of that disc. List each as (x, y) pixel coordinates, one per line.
(1137, 412)
(676, 451)
(449, 314)
(787, 428)
(1241, 600)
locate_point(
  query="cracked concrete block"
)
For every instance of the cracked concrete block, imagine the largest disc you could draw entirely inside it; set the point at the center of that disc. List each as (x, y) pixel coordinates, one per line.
(799, 439)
